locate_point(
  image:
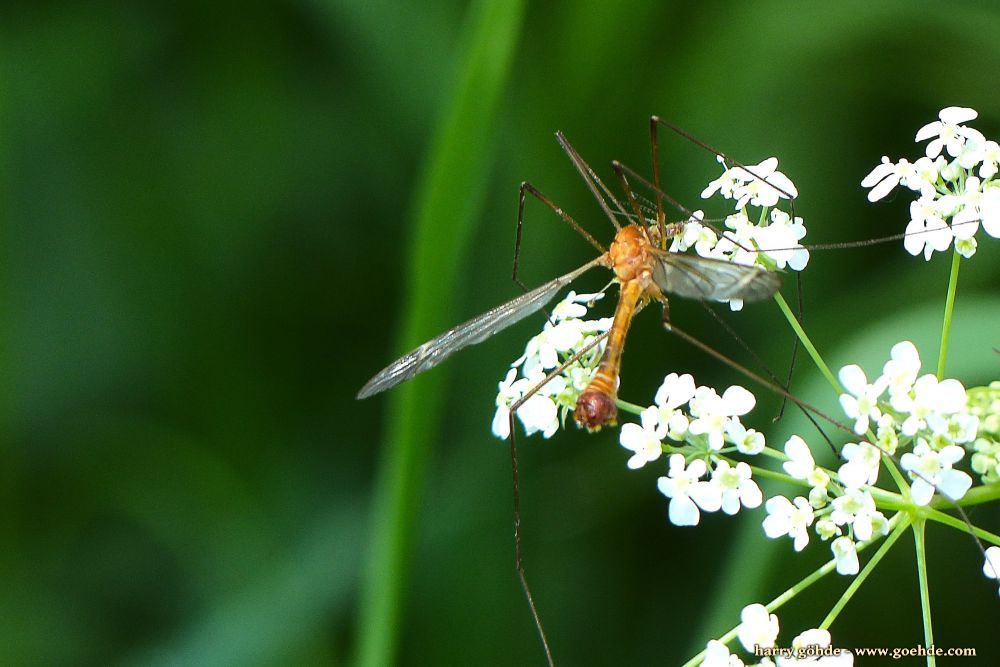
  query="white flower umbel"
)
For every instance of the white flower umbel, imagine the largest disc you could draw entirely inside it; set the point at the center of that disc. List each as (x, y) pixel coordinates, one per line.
(801, 465)
(861, 403)
(758, 627)
(561, 338)
(856, 508)
(712, 412)
(687, 491)
(646, 441)
(757, 233)
(956, 182)
(785, 517)
(932, 471)
(736, 486)
(862, 464)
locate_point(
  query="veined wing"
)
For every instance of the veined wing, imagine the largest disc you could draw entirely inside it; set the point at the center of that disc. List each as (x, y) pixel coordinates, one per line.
(478, 329)
(709, 279)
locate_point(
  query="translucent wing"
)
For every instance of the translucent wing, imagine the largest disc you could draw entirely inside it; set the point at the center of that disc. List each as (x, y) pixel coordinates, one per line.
(477, 329)
(708, 279)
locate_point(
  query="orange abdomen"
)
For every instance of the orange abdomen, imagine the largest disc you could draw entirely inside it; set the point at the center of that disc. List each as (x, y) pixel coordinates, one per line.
(596, 405)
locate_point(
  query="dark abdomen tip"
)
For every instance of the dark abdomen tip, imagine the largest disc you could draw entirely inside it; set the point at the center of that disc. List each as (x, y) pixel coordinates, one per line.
(594, 409)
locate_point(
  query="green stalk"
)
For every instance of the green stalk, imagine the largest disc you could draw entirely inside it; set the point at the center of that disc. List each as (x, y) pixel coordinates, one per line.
(448, 202)
(949, 309)
(790, 593)
(810, 348)
(925, 593)
(805, 583)
(958, 524)
(869, 567)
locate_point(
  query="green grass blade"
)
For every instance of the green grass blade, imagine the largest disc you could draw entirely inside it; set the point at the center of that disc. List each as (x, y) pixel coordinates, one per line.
(447, 204)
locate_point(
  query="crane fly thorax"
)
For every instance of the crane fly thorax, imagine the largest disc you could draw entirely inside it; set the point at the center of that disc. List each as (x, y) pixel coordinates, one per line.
(629, 254)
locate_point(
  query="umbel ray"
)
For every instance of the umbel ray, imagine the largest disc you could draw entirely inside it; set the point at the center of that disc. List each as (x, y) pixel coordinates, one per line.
(646, 271)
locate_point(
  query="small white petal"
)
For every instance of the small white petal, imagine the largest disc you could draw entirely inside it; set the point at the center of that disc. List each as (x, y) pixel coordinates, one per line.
(846, 555)
(738, 400)
(853, 379)
(683, 511)
(956, 115)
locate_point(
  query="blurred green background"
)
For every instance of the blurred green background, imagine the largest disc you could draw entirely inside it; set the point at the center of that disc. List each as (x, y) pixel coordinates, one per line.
(222, 221)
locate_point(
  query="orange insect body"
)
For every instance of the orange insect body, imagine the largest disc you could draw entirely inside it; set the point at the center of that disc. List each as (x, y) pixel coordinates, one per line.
(631, 259)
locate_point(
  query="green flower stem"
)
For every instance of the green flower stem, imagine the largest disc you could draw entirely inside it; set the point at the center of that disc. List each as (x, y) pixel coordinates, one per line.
(920, 544)
(810, 348)
(774, 454)
(958, 524)
(887, 500)
(773, 605)
(949, 309)
(448, 201)
(805, 583)
(896, 474)
(629, 407)
(764, 473)
(902, 522)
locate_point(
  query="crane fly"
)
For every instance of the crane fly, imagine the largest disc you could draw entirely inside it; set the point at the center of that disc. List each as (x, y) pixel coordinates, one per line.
(645, 272)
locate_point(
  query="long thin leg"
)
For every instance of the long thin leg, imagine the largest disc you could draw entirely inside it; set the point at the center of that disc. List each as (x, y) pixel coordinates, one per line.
(718, 153)
(518, 553)
(770, 374)
(776, 388)
(518, 557)
(590, 178)
(795, 344)
(617, 167)
(528, 188)
(683, 209)
(654, 148)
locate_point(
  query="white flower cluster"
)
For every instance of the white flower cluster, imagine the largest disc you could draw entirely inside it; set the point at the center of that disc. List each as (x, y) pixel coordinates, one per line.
(984, 403)
(758, 632)
(772, 241)
(962, 188)
(906, 410)
(931, 415)
(563, 336)
(709, 422)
